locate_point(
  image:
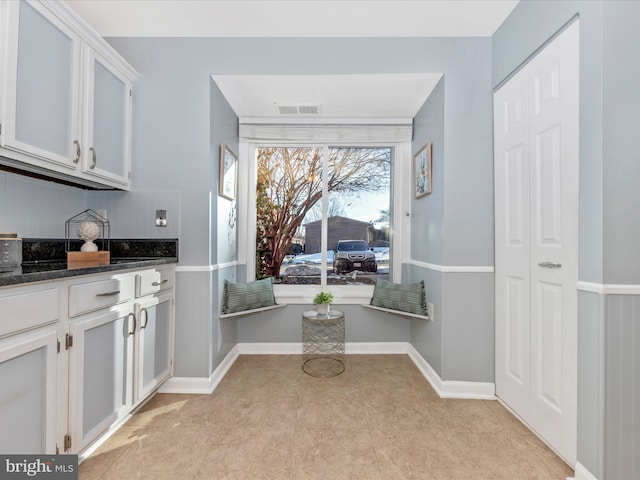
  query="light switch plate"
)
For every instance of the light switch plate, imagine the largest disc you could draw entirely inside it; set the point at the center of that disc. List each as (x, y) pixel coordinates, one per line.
(161, 218)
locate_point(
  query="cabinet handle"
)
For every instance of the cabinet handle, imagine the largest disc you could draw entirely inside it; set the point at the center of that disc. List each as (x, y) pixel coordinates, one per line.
(146, 319)
(77, 159)
(550, 265)
(135, 323)
(108, 294)
(157, 284)
(93, 158)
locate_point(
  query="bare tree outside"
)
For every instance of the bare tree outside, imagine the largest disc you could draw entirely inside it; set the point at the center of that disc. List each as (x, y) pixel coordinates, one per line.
(289, 187)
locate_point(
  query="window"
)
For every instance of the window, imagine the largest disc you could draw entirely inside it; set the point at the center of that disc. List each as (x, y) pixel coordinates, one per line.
(323, 214)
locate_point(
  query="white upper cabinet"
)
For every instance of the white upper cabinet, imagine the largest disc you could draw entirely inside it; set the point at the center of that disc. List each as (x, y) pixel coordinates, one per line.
(66, 103)
(107, 121)
(42, 85)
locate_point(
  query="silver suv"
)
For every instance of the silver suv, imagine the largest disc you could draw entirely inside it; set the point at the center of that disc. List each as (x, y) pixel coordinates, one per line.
(350, 255)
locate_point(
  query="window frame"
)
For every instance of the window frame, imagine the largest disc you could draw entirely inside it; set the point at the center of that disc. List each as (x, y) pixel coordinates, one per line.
(399, 225)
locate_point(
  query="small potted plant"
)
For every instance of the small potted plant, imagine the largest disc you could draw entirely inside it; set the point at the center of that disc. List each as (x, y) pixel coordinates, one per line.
(322, 301)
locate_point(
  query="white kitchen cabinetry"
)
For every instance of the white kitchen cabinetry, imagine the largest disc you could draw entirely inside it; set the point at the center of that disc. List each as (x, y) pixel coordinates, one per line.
(154, 347)
(78, 355)
(154, 343)
(41, 97)
(107, 121)
(66, 102)
(28, 409)
(122, 348)
(31, 413)
(101, 373)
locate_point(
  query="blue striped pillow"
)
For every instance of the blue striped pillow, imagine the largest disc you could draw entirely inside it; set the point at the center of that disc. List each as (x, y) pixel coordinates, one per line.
(407, 298)
(238, 297)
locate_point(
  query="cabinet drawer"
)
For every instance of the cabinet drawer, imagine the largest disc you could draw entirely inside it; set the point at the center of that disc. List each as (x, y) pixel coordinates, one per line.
(96, 295)
(154, 281)
(28, 310)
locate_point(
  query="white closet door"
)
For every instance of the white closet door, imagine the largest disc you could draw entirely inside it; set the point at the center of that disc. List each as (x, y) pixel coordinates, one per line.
(536, 329)
(513, 286)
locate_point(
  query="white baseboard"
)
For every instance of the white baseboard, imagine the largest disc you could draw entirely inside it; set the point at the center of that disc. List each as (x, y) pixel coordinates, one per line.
(376, 348)
(270, 348)
(444, 388)
(449, 388)
(355, 348)
(581, 473)
(201, 385)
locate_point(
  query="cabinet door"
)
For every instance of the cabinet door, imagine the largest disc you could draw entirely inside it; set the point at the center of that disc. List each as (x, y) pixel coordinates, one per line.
(28, 369)
(155, 343)
(41, 105)
(101, 369)
(107, 121)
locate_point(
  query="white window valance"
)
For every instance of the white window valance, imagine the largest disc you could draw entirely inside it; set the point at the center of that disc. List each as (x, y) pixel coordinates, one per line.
(326, 133)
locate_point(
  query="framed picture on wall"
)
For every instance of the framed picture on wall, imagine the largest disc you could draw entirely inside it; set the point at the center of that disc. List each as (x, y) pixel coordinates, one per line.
(228, 173)
(422, 171)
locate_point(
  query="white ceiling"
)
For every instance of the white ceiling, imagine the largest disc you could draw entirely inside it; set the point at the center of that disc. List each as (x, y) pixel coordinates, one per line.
(294, 18)
(338, 96)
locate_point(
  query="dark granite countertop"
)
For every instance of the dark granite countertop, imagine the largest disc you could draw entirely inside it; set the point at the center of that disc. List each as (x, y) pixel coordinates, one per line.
(45, 259)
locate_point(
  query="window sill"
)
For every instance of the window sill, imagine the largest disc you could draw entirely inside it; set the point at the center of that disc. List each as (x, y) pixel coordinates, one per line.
(342, 295)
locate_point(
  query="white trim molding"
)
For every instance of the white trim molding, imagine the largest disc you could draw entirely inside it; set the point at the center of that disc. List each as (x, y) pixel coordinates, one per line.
(201, 385)
(452, 268)
(444, 388)
(608, 289)
(326, 132)
(581, 473)
(351, 348)
(207, 268)
(449, 388)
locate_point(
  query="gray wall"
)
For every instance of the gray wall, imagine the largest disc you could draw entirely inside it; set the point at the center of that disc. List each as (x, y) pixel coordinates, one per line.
(180, 118)
(620, 132)
(608, 442)
(453, 226)
(174, 160)
(427, 213)
(224, 130)
(176, 141)
(527, 29)
(35, 208)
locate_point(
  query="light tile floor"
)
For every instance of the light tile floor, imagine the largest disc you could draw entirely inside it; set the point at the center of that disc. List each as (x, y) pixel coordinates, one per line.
(379, 420)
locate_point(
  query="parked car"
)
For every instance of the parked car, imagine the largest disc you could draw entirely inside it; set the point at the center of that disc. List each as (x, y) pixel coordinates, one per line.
(350, 255)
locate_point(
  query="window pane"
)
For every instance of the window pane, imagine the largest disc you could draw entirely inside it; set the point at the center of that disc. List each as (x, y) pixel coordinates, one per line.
(358, 218)
(289, 215)
(289, 187)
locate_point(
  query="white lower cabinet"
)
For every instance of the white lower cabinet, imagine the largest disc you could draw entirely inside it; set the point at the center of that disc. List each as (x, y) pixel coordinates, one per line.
(154, 345)
(101, 372)
(122, 349)
(29, 392)
(80, 356)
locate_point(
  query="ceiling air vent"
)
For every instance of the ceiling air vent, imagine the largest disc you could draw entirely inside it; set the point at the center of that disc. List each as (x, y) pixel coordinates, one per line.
(297, 109)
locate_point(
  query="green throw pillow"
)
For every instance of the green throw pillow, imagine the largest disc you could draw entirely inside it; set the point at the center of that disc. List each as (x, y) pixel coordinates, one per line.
(237, 297)
(407, 298)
